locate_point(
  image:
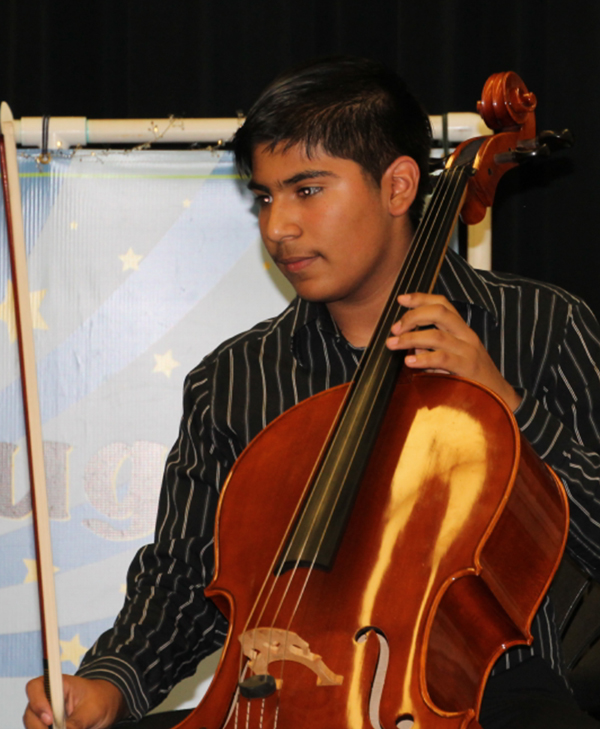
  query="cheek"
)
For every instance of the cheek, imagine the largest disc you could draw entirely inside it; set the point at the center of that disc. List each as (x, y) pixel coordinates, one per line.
(324, 217)
(342, 226)
(364, 214)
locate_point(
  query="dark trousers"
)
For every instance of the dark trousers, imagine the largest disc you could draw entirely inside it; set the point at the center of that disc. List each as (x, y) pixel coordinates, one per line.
(166, 720)
(530, 696)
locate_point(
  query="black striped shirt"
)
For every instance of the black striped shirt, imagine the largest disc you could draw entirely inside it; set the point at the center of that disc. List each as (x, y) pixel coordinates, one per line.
(544, 341)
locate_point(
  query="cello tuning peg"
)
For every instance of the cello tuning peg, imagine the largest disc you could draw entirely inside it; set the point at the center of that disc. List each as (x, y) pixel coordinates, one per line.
(522, 154)
(541, 146)
(556, 140)
(552, 140)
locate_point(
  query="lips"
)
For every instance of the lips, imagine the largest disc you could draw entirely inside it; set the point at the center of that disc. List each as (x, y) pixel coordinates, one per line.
(295, 264)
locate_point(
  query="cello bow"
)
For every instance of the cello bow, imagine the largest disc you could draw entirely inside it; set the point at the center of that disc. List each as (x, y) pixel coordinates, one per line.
(35, 454)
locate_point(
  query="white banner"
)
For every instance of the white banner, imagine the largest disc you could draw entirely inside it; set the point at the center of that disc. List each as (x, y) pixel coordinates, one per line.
(140, 263)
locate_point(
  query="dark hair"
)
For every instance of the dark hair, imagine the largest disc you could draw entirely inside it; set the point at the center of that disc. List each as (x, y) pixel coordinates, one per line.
(352, 108)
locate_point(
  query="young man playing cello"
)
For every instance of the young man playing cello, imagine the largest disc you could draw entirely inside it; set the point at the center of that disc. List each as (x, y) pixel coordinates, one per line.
(337, 152)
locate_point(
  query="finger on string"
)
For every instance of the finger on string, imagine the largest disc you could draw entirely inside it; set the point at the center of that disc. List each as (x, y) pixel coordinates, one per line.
(430, 340)
(429, 317)
(416, 300)
(428, 361)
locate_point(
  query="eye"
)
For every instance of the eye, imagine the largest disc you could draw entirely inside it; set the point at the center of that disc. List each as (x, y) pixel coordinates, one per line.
(262, 200)
(309, 191)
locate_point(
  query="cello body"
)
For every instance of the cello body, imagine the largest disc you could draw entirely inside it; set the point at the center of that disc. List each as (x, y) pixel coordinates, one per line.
(427, 588)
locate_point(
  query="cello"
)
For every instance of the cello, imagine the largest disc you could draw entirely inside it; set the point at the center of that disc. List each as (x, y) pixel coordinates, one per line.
(387, 575)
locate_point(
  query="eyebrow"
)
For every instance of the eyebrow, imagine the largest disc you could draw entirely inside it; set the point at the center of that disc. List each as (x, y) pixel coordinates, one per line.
(293, 180)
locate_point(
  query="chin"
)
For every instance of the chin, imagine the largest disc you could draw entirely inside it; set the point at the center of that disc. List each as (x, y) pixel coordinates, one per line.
(317, 295)
(319, 290)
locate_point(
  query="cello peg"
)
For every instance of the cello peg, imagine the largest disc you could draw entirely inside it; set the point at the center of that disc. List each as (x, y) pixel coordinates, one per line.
(521, 154)
(556, 140)
(541, 146)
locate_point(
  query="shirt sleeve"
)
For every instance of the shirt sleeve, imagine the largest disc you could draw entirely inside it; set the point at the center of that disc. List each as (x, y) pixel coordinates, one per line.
(562, 422)
(166, 625)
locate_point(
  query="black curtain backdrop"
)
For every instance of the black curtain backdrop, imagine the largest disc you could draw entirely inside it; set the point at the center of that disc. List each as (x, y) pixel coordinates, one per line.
(136, 58)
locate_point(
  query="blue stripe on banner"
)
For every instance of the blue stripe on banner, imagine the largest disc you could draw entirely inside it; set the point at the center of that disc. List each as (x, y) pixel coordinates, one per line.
(73, 545)
(21, 653)
(195, 253)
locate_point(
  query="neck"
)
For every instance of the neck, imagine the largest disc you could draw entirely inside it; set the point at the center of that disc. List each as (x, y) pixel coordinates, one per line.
(358, 317)
(357, 321)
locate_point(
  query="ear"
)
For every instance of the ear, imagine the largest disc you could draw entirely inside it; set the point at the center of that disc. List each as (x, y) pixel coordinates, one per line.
(400, 183)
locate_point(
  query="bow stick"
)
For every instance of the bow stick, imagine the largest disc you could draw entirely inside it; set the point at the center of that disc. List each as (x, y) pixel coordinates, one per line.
(37, 475)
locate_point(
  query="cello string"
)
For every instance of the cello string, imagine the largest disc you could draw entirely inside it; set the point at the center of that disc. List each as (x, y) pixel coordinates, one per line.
(417, 277)
(417, 251)
(418, 248)
(279, 572)
(272, 573)
(431, 252)
(450, 191)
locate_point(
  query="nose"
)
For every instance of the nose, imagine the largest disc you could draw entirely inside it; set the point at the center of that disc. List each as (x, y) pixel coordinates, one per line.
(279, 221)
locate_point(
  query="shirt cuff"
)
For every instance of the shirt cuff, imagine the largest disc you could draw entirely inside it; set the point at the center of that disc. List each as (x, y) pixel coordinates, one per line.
(124, 677)
(545, 432)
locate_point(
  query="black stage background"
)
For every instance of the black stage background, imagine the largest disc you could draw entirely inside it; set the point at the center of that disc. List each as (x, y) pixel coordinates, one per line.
(134, 58)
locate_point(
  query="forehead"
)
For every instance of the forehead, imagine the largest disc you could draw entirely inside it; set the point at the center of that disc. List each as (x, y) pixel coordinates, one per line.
(283, 164)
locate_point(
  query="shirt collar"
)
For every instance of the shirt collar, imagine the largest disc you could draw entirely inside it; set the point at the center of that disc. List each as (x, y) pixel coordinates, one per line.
(309, 311)
(458, 281)
(310, 315)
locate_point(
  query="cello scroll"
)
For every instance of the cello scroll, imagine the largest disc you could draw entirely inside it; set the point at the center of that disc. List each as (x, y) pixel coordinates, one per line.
(507, 107)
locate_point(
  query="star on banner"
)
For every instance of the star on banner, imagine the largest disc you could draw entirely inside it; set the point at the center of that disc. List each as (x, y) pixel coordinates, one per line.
(165, 363)
(131, 260)
(187, 202)
(7, 311)
(31, 575)
(72, 650)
